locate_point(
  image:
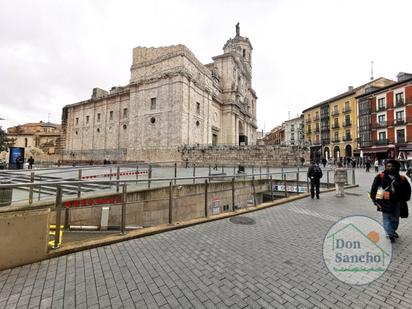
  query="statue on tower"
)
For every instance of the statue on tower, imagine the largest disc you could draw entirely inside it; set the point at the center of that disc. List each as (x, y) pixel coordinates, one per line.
(237, 29)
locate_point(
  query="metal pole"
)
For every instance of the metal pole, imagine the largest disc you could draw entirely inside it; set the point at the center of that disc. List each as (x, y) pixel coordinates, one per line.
(285, 185)
(353, 177)
(149, 176)
(79, 186)
(39, 190)
(124, 200)
(31, 188)
(297, 183)
(117, 178)
(267, 171)
(137, 173)
(58, 216)
(327, 179)
(194, 173)
(206, 208)
(210, 170)
(271, 187)
(254, 191)
(234, 170)
(170, 203)
(111, 171)
(233, 194)
(175, 171)
(223, 168)
(253, 169)
(260, 171)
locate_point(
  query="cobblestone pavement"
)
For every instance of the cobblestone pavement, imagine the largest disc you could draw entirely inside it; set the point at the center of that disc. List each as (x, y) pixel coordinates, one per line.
(275, 263)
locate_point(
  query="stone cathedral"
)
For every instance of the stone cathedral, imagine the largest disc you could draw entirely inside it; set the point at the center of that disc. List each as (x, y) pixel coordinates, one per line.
(172, 100)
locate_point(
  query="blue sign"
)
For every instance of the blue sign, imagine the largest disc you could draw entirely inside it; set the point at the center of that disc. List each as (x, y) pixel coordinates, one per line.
(16, 158)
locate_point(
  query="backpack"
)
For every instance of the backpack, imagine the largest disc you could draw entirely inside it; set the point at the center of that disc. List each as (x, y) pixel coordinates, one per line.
(317, 172)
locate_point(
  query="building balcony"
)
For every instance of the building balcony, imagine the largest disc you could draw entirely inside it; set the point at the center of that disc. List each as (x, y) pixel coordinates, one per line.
(401, 140)
(347, 138)
(335, 126)
(309, 131)
(316, 118)
(317, 130)
(382, 142)
(336, 140)
(382, 124)
(335, 113)
(308, 121)
(292, 129)
(381, 108)
(399, 122)
(399, 103)
(347, 110)
(347, 124)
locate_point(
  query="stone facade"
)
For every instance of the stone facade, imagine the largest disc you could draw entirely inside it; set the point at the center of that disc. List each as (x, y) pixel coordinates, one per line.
(42, 135)
(172, 100)
(294, 132)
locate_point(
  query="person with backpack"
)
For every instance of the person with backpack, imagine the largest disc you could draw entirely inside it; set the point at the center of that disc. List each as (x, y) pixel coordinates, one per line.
(314, 174)
(390, 192)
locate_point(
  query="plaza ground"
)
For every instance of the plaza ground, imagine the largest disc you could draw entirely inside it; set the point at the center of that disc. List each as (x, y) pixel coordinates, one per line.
(275, 263)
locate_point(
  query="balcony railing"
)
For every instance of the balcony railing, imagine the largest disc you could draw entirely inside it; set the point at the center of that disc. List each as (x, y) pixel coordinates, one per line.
(347, 124)
(399, 121)
(347, 110)
(335, 113)
(309, 131)
(308, 121)
(347, 138)
(316, 118)
(382, 142)
(317, 130)
(401, 140)
(381, 108)
(336, 140)
(400, 102)
(382, 124)
(335, 126)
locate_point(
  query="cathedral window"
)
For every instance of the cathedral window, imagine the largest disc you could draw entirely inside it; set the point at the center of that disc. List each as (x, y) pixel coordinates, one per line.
(124, 127)
(87, 119)
(198, 108)
(124, 112)
(98, 117)
(153, 120)
(77, 120)
(197, 123)
(152, 103)
(77, 133)
(98, 130)
(244, 53)
(111, 115)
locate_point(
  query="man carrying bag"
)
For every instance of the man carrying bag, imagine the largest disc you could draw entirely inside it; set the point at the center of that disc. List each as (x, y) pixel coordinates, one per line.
(390, 192)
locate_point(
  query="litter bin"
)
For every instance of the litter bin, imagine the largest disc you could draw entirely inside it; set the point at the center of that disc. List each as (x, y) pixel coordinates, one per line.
(5, 193)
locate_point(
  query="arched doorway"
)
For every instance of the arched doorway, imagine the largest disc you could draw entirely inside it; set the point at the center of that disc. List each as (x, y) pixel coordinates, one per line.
(242, 135)
(336, 153)
(326, 153)
(348, 151)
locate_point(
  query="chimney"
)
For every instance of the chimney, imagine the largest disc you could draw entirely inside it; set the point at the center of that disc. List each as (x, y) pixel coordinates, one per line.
(350, 88)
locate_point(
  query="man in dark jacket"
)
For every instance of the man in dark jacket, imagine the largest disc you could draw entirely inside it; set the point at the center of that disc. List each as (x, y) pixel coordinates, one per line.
(314, 174)
(389, 190)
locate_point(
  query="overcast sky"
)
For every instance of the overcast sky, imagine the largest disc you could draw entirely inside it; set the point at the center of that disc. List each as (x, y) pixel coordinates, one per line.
(53, 52)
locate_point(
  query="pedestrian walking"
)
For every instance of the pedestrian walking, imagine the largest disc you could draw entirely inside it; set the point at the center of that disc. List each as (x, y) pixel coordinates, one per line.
(390, 192)
(314, 174)
(324, 161)
(368, 165)
(376, 165)
(31, 162)
(341, 177)
(353, 162)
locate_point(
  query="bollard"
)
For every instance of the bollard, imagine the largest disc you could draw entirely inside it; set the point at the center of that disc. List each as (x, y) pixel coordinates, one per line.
(170, 203)
(206, 210)
(175, 171)
(149, 176)
(58, 216)
(194, 173)
(137, 173)
(124, 201)
(327, 179)
(271, 187)
(254, 191)
(31, 188)
(117, 178)
(233, 194)
(353, 177)
(79, 186)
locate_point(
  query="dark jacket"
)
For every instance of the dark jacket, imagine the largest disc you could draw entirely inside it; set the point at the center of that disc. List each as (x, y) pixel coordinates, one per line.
(401, 190)
(315, 172)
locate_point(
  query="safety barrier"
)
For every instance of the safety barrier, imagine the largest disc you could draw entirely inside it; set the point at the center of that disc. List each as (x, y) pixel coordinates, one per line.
(115, 174)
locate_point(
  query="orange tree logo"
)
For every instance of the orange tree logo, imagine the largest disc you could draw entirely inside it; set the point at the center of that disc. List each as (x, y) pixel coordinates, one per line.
(356, 251)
